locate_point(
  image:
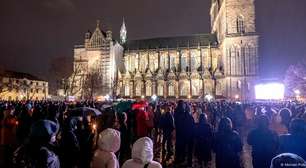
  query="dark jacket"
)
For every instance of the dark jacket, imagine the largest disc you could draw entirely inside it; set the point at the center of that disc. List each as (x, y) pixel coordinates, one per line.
(69, 145)
(203, 138)
(28, 156)
(167, 123)
(264, 144)
(227, 146)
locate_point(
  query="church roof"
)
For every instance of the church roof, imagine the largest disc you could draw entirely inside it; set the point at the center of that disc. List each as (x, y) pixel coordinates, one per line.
(18, 75)
(172, 42)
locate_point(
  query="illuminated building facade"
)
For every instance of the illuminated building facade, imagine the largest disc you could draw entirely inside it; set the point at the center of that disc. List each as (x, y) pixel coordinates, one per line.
(223, 62)
(22, 86)
(98, 55)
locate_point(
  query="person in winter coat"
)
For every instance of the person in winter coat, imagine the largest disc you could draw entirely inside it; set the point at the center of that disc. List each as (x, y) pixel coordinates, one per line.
(8, 134)
(86, 140)
(180, 143)
(125, 150)
(264, 142)
(69, 144)
(142, 155)
(227, 145)
(108, 144)
(25, 121)
(38, 152)
(203, 136)
(167, 126)
(142, 119)
(294, 142)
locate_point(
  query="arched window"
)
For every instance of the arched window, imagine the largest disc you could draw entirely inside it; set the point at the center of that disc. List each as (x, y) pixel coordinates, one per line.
(160, 90)
(185, 89)
(138, 89)
(233, 61)
(148, 89)
(171, 90)
(238, 84)
(184, 61)
(127, 90)
(240, 25)
(196, 87)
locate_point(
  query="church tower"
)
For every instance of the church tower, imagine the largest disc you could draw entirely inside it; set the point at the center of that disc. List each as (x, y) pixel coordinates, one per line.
(123, 33)
(233, 22)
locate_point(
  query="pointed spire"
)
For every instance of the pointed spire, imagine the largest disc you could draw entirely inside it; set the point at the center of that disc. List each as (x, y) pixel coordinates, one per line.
(123, 32)
(98, 23)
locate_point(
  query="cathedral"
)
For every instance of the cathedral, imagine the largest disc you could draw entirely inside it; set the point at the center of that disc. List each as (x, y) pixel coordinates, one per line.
(222, 63)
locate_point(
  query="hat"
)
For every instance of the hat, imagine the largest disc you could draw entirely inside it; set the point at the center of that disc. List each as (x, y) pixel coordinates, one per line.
(43, 128)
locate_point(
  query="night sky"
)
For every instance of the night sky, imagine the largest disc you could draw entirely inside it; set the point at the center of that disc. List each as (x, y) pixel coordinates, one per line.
(35, 31)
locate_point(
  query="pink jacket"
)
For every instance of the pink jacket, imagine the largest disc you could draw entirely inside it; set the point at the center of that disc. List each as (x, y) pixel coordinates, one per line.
(108, 144)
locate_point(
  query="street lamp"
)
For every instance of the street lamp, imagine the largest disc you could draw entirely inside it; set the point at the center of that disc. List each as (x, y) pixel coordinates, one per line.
(209, 97)
(297, 94)
(107, 97)
(154, 97)
(236, 96)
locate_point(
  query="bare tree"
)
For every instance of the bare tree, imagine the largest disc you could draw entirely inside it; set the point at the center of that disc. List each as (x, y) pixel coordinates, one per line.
(60, 70)
(73, 84)
(295, 78)
(92, 85)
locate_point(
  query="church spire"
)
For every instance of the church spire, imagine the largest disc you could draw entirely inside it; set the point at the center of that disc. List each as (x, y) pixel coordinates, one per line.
(123, 33)
(98, 23)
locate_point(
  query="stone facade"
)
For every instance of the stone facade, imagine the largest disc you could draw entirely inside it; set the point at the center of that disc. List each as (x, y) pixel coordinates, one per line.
(225, 67)
(223, 63)
(171, 72)
(98, 55)
(22, 86)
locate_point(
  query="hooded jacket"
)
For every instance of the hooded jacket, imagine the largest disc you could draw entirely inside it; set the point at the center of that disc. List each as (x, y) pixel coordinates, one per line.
(108, 144)
(142, 154)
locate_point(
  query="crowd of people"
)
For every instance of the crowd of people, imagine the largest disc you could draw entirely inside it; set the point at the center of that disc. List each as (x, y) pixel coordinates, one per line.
(46, 134)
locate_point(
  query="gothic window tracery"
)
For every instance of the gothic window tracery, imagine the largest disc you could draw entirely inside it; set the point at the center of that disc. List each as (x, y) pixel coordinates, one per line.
(138, 89)
(185, 88)
(171, 91)
(127, 90)
(160, 89)
(184, 60)
(240, 25)
(148, 89)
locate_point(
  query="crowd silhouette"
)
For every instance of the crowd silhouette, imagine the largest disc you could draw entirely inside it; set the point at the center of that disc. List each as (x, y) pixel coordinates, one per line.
(143, 134)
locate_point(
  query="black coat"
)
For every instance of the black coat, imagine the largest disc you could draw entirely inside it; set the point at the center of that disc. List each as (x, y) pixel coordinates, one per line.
(264, 144)
(166, 123)
(227, 146)
(203, 138)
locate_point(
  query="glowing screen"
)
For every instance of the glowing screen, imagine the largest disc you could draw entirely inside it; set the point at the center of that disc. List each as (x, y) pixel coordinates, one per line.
(270, 91)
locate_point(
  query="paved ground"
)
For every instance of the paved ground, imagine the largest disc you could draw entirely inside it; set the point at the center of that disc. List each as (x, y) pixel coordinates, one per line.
(246, 158)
